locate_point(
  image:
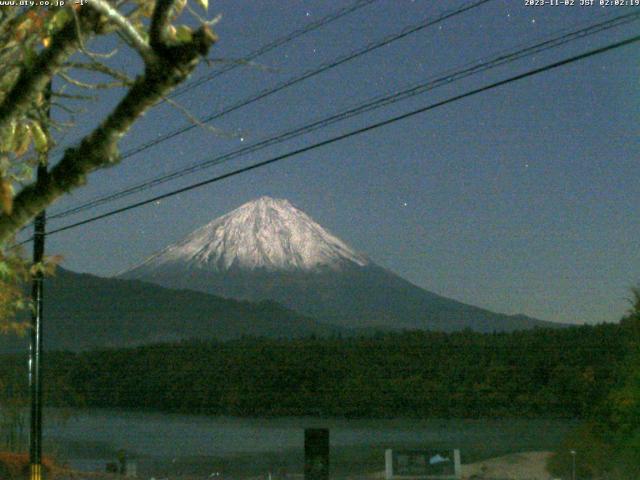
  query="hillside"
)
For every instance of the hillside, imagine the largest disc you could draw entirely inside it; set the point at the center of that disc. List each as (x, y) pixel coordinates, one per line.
(85, 311)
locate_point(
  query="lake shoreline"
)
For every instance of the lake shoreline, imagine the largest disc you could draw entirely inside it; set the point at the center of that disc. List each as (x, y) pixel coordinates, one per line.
(529, 465)
(241, 447)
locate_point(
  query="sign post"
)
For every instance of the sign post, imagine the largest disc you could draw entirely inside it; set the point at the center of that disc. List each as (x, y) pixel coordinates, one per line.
(316, 454)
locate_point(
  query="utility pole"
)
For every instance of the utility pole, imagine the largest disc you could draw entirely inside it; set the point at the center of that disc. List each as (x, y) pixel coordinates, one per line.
(35, 345)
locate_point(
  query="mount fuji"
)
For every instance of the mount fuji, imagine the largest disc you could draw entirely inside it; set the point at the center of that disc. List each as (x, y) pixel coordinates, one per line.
(266, 234)
(268, 249)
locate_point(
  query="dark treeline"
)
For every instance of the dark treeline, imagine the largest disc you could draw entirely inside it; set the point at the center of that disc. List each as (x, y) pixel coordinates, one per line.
(546, 372)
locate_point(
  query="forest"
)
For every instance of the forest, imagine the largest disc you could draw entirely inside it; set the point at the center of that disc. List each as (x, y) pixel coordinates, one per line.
(541, 372)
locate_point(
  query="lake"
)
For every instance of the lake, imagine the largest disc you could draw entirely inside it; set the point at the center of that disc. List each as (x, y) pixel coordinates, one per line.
(171, 444)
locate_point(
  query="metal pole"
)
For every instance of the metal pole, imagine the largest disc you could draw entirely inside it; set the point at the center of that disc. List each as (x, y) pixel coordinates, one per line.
(573, 469)
(35, 352)
(35, 345)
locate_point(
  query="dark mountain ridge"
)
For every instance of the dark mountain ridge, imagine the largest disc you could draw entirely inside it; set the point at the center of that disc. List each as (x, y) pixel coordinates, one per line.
(83, 311)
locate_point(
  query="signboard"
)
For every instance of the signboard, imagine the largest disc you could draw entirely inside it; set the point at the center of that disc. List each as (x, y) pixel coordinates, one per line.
(442, 464)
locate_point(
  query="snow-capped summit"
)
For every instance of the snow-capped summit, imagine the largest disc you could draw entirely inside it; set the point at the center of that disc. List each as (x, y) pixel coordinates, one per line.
(266, 233)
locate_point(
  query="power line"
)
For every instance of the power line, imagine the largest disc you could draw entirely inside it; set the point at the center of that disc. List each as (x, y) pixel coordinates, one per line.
(324, 67)
(332, 17)
(309, 74)
(326, 20)
(353, 133)
(371, 104)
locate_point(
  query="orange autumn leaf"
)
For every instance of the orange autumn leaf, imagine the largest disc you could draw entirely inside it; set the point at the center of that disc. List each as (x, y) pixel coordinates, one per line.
(6, 196)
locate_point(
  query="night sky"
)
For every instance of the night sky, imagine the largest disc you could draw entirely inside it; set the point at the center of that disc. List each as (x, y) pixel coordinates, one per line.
(523, 199)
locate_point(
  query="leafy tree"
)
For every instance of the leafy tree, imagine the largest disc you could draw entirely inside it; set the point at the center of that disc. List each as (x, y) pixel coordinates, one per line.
(624, 417)
(609, 442)
(44, 46)
(417, 374)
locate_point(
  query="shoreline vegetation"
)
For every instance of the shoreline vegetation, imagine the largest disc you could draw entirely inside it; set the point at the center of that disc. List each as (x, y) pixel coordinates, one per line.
(557, 373)
(585, 373)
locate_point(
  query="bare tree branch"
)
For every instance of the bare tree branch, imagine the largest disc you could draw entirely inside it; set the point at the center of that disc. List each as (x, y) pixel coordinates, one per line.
(94, 86)
(34, 79)
(125, 27)
(83, 47)
(195, 120)
(203, 20)
(159, 22)
(172, 64)
(101, 68)
(61, 94)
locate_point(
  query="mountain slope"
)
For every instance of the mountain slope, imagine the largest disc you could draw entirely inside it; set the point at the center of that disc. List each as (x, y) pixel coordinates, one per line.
(84, 311)
(268, 249)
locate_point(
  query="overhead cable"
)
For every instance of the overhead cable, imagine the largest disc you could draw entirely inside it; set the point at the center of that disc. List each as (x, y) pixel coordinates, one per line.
(353, 133)
(369, 105)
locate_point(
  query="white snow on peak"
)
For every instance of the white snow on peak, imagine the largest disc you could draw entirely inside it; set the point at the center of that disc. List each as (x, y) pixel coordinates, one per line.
(266, 233)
